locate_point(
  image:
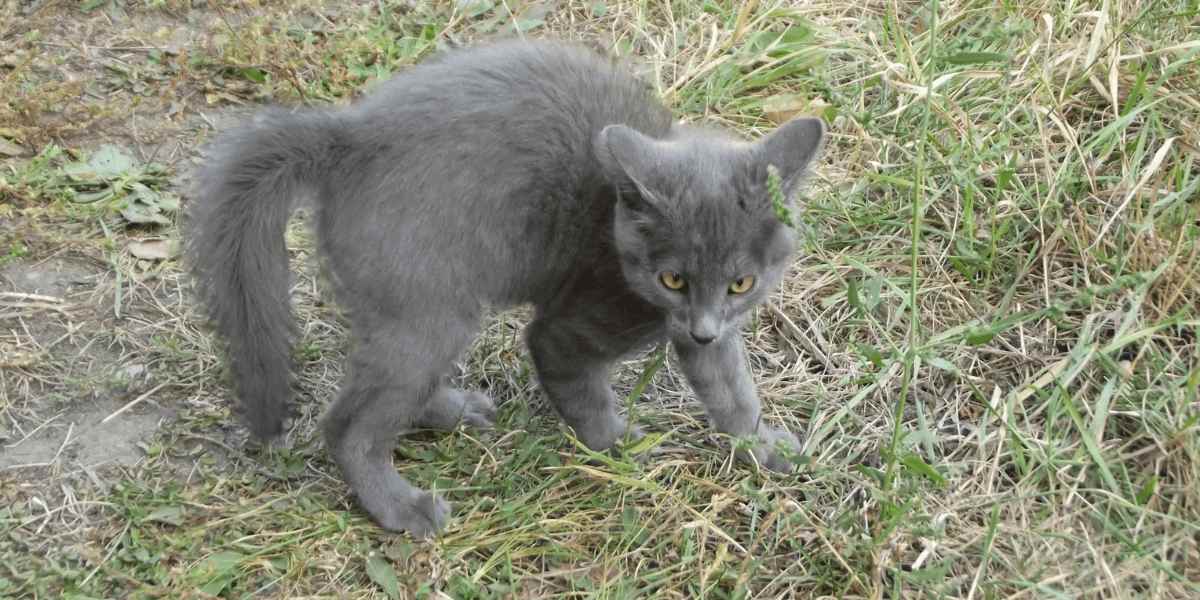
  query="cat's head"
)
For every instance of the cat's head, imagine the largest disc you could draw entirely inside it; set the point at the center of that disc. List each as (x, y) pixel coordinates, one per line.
(695, 228)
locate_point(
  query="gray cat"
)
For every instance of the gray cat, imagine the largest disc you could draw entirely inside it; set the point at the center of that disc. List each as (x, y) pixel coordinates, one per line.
(517, 173)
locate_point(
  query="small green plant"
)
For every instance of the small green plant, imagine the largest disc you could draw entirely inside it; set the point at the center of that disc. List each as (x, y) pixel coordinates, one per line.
(109, 179)
(35, 180)
(16, 250)
(778, 200)
(116, 179)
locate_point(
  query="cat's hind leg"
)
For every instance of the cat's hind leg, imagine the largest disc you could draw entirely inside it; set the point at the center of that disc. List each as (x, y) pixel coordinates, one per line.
(394, 376)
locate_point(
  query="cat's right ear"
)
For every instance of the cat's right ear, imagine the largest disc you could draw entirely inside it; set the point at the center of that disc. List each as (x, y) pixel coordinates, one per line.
(791, 149)
(629, 155)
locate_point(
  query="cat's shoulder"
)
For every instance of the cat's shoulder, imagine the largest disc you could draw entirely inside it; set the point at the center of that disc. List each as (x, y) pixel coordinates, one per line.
(547, 56)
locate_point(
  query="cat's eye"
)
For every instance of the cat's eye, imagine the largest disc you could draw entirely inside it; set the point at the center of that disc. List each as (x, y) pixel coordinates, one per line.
(672, 280)
(741, 285)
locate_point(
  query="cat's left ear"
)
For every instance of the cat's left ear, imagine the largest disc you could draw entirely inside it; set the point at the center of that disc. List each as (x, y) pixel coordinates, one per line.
(636, 157)
(791, 148)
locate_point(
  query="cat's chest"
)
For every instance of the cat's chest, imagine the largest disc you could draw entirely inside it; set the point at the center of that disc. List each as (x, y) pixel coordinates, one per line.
(611, 308)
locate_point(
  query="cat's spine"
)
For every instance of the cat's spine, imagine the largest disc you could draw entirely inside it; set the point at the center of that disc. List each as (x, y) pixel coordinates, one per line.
(245, 193)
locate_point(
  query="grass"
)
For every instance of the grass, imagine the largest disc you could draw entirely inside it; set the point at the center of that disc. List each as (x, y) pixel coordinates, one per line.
(989, 341)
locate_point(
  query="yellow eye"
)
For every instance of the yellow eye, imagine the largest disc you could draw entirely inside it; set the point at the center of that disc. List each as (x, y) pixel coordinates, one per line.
(741, 285)
(672, 280)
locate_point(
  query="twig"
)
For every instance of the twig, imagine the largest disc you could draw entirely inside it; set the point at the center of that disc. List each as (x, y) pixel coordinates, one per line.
(66, 440)
(115, 545)
(35, 430)
(1151, 169)
(35, 297)
(134, 402)
(800, 335)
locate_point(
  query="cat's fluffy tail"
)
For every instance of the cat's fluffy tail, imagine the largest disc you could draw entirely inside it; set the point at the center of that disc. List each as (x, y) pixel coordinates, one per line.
(245, 193)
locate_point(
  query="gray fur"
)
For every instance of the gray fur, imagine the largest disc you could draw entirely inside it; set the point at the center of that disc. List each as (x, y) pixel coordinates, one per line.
(518, 173)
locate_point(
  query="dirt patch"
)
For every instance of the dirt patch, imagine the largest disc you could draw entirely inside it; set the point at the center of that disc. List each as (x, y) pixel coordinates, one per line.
(63, 383)
(84, 437)
(55, 277)
(38, 320)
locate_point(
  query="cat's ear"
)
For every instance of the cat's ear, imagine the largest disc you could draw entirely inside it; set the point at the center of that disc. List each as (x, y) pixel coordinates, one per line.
(629, 154)
(791, 148)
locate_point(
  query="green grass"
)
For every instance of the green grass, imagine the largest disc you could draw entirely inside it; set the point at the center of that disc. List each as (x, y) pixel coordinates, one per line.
(989, 341)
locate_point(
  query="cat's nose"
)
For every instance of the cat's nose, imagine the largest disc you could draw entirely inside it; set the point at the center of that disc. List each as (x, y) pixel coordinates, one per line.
(705, 327)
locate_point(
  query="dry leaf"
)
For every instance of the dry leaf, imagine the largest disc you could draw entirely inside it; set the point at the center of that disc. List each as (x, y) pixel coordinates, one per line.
(784, 107)
(154, 249)
(8, 148)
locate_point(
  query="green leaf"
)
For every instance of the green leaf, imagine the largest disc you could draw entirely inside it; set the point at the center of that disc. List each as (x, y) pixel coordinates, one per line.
(1147, 490)
(136, 212)
(801, 63)
(1110, 131)
(871, 472)
(648, 441)
(168, 202)
(776, 44)
(933, 573)
(159, 201)
(630, 520)
(384, 575)
(874, 292)
(254, 74)
(1089, 444)
(1004, 178)
(975, 58)
(917, 465)
(871, 353)
(90, 197)
(978, 336)
(531, 17)
(599, 9)
(489, 24)
(108, 162)
(778, 200)
(655, 363)
(852, 294)
(171, 515)
(221, 562)
(214, 586)
(217, 571)
(941, 363)
(477, 7)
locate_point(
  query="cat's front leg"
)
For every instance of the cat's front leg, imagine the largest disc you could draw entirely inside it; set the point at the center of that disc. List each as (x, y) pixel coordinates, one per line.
(575, 377)
(722, 381)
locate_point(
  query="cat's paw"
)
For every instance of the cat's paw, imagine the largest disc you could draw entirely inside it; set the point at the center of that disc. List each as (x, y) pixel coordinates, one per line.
(771, 450)
(451, 407)
(419, 513)
(632, 435)
(478, 410)
(601, 435)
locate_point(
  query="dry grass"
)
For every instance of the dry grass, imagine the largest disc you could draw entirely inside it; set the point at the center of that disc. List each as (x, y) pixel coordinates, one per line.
(990, 341)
